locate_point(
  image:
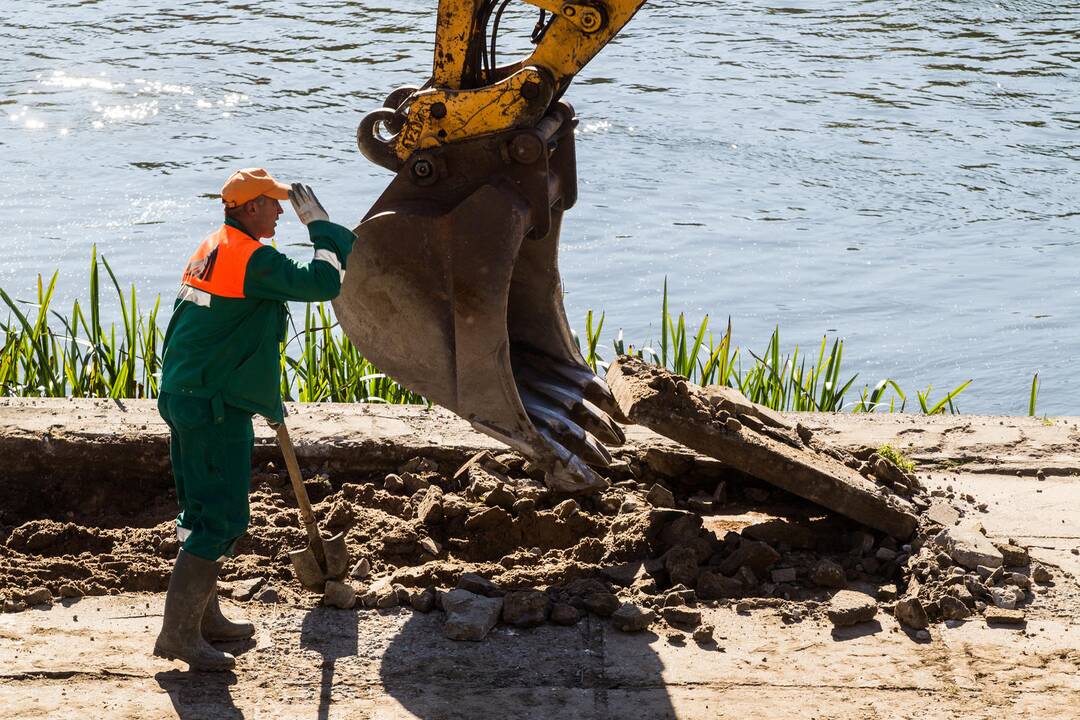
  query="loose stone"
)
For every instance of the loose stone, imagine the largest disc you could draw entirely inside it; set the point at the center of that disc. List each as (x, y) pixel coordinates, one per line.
(525, 608)
(953, 608)
(631, 618)
(682, 616)
(784, 575)
(38, 596)
(564, 614)
(1041, 575)
(339, 595)
(470, 616)
(829, 574)
(422, 601)
(910, 612)
(660, 496)
(361, 569)
(714, 586)
(478, 584)
(703, 634)
(848, 607)
(603, 604)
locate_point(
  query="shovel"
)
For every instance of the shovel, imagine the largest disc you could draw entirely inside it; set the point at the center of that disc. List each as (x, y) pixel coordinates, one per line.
(324, 558)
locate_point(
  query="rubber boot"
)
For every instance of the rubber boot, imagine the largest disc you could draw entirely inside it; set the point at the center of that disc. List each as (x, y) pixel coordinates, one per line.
(192, 581)
(218, 628)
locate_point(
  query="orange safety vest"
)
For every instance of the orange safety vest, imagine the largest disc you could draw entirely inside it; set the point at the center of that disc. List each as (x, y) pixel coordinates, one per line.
(220, 264)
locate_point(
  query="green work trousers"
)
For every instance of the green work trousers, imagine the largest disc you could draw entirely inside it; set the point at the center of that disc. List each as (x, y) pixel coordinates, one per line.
(210, 449)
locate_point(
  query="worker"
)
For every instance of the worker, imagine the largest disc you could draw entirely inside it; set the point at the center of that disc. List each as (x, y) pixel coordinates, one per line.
(221, 366)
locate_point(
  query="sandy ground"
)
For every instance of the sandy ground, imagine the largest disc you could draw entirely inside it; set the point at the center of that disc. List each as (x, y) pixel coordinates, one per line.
(91, 655)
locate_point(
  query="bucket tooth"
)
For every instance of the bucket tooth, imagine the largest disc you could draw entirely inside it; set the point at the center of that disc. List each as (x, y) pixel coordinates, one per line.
(588, 384)
(571, 473)
(569, 433)
(580, 410)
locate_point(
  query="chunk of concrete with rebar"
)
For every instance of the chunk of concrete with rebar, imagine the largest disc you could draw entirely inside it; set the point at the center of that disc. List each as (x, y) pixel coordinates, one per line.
(669, 405)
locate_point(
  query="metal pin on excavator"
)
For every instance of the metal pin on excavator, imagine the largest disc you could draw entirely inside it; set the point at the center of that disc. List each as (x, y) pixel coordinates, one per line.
(453, 288)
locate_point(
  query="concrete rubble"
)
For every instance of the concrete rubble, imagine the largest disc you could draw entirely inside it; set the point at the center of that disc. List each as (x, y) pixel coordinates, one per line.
(470, 616)
(848, 607)
(968, 546)
(817, 532)
(339, 595)
(720, 423)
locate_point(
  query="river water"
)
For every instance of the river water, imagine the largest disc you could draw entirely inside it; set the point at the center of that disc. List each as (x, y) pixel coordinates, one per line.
(903, 175)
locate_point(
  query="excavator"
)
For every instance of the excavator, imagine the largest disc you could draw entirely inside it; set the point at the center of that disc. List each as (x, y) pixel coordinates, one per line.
(453, 286)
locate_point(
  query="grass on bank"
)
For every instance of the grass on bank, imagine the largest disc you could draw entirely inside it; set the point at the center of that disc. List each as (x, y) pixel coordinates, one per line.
(44, 353)
(798, 381)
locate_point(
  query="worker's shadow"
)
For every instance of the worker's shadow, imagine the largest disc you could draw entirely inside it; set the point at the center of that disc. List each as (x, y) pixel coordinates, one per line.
(197, 695)
(333, 634)
(585, 671)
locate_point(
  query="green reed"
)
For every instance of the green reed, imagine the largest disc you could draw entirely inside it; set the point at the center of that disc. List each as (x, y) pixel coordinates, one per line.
(796, 381)
(44, 353)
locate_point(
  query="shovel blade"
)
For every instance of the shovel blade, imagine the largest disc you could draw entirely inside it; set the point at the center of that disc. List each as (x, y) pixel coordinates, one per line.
(337, 557)
(307, 569)
(313, 572)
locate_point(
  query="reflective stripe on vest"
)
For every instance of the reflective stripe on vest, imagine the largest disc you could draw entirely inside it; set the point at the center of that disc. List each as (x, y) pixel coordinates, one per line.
(219, 265)
(329, 256)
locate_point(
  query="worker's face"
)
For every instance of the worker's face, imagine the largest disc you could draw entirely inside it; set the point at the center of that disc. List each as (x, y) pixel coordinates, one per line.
(260, 216)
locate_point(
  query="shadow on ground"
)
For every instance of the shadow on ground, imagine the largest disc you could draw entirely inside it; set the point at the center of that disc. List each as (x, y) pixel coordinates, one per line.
(197, 695)
(541, 672)
(333, 634)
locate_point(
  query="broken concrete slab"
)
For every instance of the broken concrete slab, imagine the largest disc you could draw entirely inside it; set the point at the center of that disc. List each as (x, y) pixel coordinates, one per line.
(1004, 616)
(943, 513)
(967, 546)
(670, 406)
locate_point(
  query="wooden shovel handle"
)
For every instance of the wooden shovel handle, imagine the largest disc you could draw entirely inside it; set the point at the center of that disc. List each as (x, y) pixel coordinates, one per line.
(308, 517)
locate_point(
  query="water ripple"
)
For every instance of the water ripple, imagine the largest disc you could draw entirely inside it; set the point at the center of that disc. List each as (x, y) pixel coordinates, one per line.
(903, 172)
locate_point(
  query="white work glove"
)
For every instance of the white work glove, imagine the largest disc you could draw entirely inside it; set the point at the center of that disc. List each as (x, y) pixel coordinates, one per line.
(306, 205)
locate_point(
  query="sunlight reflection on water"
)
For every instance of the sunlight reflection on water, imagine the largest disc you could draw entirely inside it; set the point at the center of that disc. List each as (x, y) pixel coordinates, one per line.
(902, 174)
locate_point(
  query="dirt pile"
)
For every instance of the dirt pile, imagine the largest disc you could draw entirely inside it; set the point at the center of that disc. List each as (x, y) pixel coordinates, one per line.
(674, 530)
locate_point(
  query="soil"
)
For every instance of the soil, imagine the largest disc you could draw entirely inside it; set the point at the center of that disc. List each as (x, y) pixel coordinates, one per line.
(773, 644)
(497, 519)
(73, 552)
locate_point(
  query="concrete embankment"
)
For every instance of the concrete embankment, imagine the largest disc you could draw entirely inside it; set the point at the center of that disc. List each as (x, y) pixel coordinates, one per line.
(127, 439)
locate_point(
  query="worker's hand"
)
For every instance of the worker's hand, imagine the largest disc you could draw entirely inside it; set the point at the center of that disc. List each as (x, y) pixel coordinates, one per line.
(306, 205)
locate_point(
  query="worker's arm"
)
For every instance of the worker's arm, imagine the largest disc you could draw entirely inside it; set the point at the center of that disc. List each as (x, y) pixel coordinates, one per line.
(273, 276)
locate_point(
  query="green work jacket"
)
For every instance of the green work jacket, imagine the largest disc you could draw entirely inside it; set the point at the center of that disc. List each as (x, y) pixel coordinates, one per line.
(223, 342)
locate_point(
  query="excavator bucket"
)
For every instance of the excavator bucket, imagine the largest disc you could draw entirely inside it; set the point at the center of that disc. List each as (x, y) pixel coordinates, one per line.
(453, 290)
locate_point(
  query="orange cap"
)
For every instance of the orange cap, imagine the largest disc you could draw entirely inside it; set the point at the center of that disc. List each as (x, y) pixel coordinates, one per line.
(250, 183)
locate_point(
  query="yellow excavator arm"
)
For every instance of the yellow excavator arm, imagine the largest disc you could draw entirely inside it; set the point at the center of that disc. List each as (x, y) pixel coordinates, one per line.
(466, 97)
(453, 286)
